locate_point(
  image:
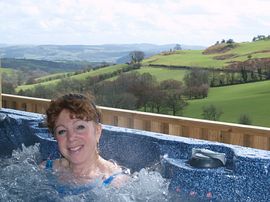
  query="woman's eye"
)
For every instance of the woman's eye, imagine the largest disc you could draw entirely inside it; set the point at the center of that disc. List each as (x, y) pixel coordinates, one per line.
(61, 132)
(80, 127)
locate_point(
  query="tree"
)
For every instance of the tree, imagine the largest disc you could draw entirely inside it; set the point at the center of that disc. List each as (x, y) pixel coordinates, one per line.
(196, 82)
(42, 91)
(110, 94)
(8, 84)
(69, 85)
(230, 41)
(244, 119)
(173, 95)
(155, 102)
(136, 56)
(8, 87)
(129, 90)
(142, 88)
(177, 47)
(211, 112)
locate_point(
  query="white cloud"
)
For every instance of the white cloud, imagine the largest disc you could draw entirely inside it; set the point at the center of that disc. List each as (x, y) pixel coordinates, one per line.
(130, 21)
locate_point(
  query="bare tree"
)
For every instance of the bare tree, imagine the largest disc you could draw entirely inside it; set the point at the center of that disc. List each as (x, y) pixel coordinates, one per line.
(136, 56)
(196, 82)
(173, 91)
(177, 47)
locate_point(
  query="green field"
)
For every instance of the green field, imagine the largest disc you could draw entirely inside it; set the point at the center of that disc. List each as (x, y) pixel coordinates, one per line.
(195, 58)
(8, 71)
(104, 70)
(191, 58)
(159, 73)
(50, 77)
(252, 99)
(250, 48)
(100, 71)
(162, 74)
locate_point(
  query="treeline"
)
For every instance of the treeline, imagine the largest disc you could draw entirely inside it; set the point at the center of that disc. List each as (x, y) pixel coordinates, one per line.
(251, 70)
(132, 90)
(261, 37)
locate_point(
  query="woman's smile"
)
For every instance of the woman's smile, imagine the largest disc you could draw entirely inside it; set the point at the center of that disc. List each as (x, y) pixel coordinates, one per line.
(75, 149)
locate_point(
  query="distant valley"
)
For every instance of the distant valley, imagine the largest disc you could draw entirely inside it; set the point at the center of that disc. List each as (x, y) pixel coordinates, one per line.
(111, 53)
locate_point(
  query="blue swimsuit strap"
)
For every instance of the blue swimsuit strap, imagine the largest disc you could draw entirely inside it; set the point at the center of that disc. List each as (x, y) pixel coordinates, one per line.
(49, 164)
(106, 182)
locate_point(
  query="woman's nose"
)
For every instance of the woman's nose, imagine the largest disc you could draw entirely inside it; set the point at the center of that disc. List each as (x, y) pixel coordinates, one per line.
(71, 135)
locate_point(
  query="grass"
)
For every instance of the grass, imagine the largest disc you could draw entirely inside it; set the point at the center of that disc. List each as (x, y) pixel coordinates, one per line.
(159, 73)
(248, 48)
(100, 71)
(251, 99)
(51, 77)
(8, 71)
(164, 74)
(195, 58)
(31, 86)
(81, 76)
(191, 58)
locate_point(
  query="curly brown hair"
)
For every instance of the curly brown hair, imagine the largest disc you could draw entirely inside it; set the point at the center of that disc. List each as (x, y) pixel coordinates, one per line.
(80, 107)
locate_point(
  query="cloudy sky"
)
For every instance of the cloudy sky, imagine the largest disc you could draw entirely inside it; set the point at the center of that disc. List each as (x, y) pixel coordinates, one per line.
(190, 22)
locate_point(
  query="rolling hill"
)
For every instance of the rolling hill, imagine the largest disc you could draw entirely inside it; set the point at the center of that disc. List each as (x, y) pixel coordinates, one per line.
(251, 99)
(215, 58)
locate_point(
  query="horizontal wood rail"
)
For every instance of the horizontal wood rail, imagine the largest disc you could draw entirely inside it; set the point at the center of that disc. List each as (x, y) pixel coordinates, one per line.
(250, 136)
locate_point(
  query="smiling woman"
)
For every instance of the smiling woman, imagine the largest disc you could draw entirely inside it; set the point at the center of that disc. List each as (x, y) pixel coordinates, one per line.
(74, 121)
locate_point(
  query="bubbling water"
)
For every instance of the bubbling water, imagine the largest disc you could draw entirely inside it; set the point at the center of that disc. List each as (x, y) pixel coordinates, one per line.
(23, 180)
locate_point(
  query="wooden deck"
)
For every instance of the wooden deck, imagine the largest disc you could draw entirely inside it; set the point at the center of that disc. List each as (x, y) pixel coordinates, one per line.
(250, 136)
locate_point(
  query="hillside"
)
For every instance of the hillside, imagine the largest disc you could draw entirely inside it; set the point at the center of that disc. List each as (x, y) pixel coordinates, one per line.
(218, 57)
(252, 99)
(185, 59)
(53, 79)
(6, 71)
(44, 65)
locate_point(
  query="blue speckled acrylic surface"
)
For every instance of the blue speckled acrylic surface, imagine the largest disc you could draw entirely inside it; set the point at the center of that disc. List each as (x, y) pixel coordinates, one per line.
(245, 177)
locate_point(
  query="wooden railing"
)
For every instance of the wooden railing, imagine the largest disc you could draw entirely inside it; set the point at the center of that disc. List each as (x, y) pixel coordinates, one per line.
(250, 136)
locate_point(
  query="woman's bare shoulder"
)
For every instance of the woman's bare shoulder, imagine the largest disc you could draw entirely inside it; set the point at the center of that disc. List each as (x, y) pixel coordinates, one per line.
(119, 174)
(54, 164)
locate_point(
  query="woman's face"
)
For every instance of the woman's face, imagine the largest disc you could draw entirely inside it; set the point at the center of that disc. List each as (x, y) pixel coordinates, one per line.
(77, 139)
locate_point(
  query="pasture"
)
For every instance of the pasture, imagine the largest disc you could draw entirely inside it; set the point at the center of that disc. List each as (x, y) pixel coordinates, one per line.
(252, 99)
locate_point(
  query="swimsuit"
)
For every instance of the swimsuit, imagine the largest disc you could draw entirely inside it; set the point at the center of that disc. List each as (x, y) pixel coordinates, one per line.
(77, 189)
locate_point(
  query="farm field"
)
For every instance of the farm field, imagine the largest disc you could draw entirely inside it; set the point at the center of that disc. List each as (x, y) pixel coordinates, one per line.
(196, 58)
(6, 70)
(252, 99)
(104, 70)
(190, 58)
(162, 74)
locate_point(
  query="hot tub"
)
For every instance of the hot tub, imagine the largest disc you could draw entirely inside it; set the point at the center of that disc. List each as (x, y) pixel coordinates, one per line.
(244, 177)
